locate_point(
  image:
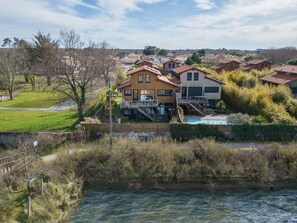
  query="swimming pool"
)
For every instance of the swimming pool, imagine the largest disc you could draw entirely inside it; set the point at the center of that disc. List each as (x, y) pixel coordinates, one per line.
(208, 120)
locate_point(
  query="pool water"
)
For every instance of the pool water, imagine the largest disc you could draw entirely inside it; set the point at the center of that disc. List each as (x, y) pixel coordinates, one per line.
(194, 120)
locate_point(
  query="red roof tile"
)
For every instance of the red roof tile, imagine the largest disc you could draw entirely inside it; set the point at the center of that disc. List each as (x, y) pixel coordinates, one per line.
(218, 66)
(124, 84)
(166, 80)
(185, 68)
(288, 69)
(174, 80)
(256, 62)
(228, 60)
(144, 68)
(279, 78)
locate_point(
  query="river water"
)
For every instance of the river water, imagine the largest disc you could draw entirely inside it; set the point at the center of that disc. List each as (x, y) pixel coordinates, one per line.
(187, 206)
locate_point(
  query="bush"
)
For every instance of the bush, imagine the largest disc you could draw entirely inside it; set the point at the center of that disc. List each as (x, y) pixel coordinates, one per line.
(280, 96)
(292, 62)
(239, 118)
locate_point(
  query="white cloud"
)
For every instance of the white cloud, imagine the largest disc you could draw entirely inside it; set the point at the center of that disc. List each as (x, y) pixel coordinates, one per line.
(235, 24)
(204, 4)
(120, 7)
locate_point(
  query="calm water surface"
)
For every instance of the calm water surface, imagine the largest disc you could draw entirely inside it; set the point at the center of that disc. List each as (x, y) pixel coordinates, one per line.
(192, 206)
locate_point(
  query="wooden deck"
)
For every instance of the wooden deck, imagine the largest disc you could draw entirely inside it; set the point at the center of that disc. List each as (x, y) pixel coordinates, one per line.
(199, 100)
(140, 104)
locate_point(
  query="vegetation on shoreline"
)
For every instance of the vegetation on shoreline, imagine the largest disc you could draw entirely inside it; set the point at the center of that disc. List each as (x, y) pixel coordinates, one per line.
(132, 162)
(171, 162)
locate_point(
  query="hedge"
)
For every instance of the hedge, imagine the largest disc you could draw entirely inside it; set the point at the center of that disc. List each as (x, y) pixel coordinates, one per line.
(185, 132)
(257, 132)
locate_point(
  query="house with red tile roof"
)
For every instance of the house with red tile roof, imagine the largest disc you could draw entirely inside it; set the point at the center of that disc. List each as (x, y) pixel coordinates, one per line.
(169, 65)
(228, 64)
(147, 93)
(286, 75)
(197, 88)
(257, 65)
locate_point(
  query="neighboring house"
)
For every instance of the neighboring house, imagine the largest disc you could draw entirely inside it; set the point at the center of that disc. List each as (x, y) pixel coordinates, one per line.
(227, 64)
(169, 65)
(145, 63)
(285, 75)
(147, 93)
(196, 88)
(149, 64)
(257, 65)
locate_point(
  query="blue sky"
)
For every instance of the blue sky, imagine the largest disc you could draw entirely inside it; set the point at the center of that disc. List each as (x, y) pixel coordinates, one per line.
(170, 24)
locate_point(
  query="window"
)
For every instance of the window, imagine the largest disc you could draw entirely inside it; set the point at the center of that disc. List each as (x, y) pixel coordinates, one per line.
(173, 65)
(196, 76)
(211, 89)
(146, 95)
(147, 78)
(165, 92)
(127, 92)
(189, 76)
(140, 78)
(169, 65)
(177, 90)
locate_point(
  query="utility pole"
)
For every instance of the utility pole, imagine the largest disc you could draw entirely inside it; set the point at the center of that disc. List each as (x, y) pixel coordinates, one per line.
(110, 114)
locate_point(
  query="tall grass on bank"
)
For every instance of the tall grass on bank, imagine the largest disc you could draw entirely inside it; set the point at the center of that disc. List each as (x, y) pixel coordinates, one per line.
(171, 162)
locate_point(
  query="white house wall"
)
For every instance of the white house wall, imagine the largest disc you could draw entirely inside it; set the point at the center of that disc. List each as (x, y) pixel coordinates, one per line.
(202, 82)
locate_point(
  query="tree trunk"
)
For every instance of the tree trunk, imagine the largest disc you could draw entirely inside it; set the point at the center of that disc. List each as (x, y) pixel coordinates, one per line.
(106, 81)
(10, 91)
(80, 112)
(33, 83)
(48, 80)
(26, 78)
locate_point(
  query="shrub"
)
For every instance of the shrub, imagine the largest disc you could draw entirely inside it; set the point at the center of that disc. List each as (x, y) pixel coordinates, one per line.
(280, 96)
(239, 118)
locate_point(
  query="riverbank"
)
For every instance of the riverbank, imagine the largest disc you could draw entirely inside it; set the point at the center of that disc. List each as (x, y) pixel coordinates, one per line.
(160, 163)
(163, 163)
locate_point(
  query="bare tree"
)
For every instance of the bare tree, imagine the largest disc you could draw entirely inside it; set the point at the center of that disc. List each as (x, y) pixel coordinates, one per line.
(12, 64)
(105, 62)
(76, 69)
(280, 55)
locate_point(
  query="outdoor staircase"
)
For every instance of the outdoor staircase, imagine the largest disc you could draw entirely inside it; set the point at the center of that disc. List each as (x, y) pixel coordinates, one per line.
(148, 112)
(198, 107)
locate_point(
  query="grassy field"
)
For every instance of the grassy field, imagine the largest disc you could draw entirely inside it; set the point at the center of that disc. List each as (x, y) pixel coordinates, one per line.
(36, 120)
(32, 99)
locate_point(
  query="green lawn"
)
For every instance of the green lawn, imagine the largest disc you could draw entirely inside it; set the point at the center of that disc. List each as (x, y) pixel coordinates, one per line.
(36, 120)
(33, 99)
